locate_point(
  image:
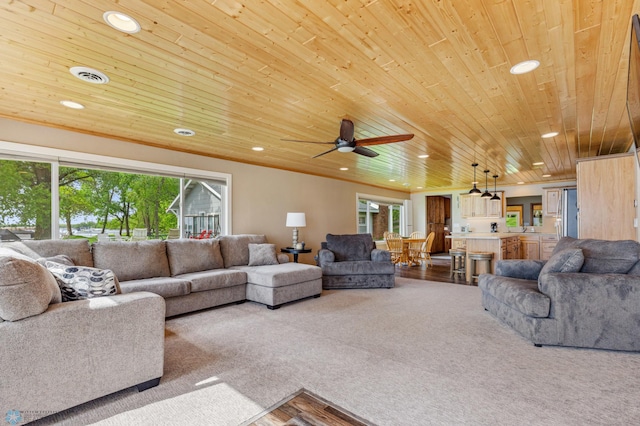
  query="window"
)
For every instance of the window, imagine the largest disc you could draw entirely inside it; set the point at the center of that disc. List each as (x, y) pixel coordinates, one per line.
(82, 197)
(375, 216)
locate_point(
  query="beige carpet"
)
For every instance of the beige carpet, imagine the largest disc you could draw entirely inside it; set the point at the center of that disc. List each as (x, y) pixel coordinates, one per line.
(419, 354)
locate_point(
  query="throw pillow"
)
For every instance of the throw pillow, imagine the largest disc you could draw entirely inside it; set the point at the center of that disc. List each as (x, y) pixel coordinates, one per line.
(262, 254)
(566, 260)
(82, 282)
(61, 258)
(26, 287)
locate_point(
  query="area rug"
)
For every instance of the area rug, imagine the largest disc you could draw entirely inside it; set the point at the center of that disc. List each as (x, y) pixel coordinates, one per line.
(303, 408)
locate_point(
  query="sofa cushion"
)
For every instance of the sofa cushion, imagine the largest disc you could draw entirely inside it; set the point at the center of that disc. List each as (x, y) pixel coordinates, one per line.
(603, 256)
(78, 250)
(522, 295)
(26, 287)
(83, 282)
(351, 246)
(359, 267)
(132, 260)
(262, 254)
(280, 275)
(214, 279)
(162, 286)
(235, 248)
(61, 259)
(190, 255)
(567, 260)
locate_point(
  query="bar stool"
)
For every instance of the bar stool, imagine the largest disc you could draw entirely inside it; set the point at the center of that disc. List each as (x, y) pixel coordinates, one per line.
(457, 261)
(484, 258)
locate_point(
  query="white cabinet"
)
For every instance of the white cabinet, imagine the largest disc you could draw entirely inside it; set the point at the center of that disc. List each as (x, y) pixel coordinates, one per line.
(476, 206)
(530, 247)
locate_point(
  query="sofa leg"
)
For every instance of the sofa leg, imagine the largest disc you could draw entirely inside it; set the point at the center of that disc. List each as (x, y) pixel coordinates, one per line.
(240, 302)
(148, 384)
(537, 345)
(316, 296)
(273, 307)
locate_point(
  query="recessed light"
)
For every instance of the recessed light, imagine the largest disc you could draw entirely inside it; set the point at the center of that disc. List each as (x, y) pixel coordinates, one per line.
(257, 148)
(524, 67)
(423, 156)
(392, 180)
(546, 175)
(344, 168)
(539, 163)
(71, 104)
(550, 135)
(520, 183)
(121, 22)
(184, 132)
(418, 187)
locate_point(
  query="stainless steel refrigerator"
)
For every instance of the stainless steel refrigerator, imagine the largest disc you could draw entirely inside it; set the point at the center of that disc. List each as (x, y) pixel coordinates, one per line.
(568, 226)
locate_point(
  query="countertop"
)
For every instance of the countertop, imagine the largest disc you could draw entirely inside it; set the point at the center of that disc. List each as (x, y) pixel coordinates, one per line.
(497, 235)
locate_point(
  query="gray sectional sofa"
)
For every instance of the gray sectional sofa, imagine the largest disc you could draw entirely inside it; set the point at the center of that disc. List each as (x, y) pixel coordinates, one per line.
(586, 295)
(57, 355)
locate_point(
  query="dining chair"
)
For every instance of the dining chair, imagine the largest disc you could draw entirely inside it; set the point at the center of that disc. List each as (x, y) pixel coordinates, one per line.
(139, 234)
(395, 247)
(415, 247)
(425, 253)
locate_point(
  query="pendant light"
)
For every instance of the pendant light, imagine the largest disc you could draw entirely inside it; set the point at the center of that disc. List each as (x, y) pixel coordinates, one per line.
(486, 194)
(474, 190)
(495, 195)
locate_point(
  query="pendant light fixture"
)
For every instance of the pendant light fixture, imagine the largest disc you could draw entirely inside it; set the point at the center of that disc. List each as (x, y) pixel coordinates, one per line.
(495, 195)
(474, 190)
(486, 194)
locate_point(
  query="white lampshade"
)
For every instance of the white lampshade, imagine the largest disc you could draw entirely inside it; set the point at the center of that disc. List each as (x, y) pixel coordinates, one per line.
(296, 220)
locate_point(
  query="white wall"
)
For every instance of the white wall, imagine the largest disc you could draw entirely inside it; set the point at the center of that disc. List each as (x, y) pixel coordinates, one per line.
(261, 196)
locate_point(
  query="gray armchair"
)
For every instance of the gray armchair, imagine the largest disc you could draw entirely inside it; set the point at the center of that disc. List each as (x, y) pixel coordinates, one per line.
(352, 261)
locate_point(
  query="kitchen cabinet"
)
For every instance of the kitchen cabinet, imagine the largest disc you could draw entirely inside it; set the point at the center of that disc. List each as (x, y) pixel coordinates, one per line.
(510, 247)
(547, 244)
(530, 247)
(607, 197)
(551, 201)
(476, 206)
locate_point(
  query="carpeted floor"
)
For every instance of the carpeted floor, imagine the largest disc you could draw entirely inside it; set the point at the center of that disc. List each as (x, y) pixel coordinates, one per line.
(422, 353)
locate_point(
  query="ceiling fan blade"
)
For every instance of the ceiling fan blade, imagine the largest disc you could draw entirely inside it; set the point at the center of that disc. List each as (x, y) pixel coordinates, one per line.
(365, 151)
(295, 140)
(326, 152)
(346, 130)
(384, 139)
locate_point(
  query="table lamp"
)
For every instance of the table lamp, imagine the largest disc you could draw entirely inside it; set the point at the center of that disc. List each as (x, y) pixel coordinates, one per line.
(295, 221)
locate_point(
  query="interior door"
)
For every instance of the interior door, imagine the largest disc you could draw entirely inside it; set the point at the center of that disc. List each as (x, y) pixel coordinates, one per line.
(437, 207)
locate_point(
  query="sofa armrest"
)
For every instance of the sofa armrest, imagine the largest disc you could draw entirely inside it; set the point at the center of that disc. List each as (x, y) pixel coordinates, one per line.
(522, 268)
(379, 255)
(595, 310)
(77, 351)
(325, 256)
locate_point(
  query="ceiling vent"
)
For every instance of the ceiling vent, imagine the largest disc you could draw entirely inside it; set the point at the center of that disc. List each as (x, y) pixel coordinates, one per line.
(89, 75)
(184, 132)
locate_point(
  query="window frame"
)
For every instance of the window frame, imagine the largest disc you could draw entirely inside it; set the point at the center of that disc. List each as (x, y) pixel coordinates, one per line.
(57, 157)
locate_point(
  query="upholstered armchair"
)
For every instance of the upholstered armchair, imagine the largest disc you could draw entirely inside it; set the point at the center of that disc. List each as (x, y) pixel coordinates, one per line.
(352, 261)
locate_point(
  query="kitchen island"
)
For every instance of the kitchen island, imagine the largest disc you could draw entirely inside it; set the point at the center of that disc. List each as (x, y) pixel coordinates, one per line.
(504, 245)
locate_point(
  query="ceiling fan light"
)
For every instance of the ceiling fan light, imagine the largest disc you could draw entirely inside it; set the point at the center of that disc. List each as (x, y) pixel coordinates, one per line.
(346, 148)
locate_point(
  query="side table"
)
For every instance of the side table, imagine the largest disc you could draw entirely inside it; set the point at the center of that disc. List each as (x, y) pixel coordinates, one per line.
(295, 252)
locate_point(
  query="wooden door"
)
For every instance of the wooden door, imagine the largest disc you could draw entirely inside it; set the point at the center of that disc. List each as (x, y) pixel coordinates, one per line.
(436, 214)
(606, 197)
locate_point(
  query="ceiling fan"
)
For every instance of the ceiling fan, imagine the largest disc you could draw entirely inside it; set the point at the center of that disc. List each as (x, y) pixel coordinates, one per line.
(347, 143)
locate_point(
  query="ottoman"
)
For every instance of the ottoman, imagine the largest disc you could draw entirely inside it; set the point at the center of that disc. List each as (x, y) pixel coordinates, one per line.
(274, 285)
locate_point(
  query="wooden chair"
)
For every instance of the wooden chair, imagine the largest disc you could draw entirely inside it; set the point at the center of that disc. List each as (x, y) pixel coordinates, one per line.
(395, 247)
(425, 252)
(415, 247)
(139, 234)
(174, 234)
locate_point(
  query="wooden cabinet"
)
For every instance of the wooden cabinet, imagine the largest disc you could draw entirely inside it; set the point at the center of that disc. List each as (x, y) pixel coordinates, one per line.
(476, 206)
(530, 247)
(510, 247)
(551, 201)
(606, 197)
(547, 244)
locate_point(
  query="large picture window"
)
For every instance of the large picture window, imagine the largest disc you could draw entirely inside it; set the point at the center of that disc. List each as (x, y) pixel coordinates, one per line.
(42, 199)
(375, 216)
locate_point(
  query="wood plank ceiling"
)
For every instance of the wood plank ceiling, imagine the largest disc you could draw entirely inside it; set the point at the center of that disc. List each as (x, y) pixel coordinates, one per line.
(250, 73)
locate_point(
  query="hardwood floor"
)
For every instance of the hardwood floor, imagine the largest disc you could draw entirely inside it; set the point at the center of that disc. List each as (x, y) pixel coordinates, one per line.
(438, 272)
